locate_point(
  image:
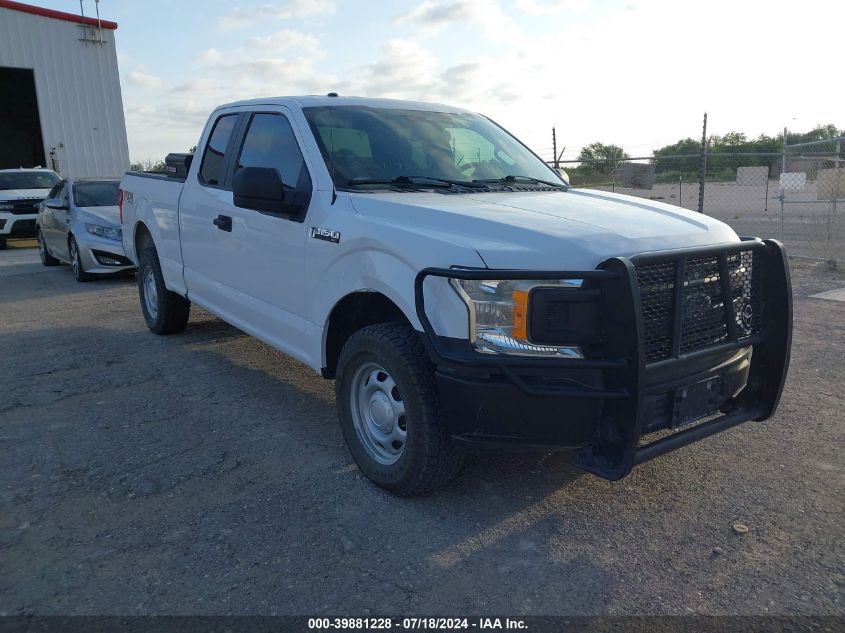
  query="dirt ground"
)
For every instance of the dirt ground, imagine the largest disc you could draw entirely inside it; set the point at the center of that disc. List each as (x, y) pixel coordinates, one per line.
(205, 473)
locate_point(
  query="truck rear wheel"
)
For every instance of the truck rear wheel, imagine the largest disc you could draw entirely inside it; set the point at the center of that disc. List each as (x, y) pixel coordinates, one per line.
(164, 311)
(388, 407)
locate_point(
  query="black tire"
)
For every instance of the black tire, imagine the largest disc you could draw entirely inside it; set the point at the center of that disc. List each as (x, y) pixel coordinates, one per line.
(2, 243)
(76, 262)
(44, 252)
(429, 458)
(171, 310)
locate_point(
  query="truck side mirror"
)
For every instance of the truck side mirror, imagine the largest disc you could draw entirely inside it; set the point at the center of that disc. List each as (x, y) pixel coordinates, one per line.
(259, 188)
(262, 189)
(55, 203)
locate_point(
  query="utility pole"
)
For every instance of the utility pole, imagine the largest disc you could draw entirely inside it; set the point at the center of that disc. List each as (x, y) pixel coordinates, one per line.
(702, 167)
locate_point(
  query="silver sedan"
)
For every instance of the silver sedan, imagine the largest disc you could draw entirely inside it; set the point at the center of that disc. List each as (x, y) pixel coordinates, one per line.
(79, 224)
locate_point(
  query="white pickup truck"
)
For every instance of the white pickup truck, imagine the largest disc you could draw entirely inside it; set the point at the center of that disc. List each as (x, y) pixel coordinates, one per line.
(461, 294)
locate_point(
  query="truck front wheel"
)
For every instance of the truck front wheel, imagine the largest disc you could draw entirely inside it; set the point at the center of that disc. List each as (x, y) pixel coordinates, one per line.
(388, 408)
(164, 311)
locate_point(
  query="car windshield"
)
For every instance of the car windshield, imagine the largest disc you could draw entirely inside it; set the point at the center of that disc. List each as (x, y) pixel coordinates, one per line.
(96, 194)
(371, 147)
(28, 180)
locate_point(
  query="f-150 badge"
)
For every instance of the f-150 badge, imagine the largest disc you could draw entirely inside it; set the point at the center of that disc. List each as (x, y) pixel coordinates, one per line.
(319, 233)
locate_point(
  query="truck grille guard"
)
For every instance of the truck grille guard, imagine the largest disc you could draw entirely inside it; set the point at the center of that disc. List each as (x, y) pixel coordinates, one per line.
(659, 310)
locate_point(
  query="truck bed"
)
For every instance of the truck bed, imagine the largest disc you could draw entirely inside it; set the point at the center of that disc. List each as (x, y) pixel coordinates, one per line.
(154, 200)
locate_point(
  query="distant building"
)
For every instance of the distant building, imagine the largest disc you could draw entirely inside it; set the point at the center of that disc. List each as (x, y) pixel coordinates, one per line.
(60, 99)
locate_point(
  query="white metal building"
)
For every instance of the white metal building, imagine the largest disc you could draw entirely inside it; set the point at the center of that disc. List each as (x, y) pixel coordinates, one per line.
(60, 100)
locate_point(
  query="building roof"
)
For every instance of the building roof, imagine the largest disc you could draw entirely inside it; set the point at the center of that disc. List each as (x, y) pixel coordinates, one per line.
(56, 15)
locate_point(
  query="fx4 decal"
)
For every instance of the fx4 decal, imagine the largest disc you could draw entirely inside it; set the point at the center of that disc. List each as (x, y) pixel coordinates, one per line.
(319, 233)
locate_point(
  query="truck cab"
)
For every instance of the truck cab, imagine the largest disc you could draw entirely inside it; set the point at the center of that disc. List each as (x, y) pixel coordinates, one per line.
(460, 293)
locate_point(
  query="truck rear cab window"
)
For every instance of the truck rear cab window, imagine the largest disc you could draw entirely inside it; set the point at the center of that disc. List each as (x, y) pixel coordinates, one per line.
(213, 168)
(270, 142)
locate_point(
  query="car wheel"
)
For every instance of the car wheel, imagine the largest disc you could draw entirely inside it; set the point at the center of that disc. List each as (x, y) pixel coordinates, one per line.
(2, 243)
(164, 311)
(76, 262)
(44, 252)
(389, 411)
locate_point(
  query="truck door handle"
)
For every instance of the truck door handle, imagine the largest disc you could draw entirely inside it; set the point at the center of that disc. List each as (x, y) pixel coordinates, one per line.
(223, 222)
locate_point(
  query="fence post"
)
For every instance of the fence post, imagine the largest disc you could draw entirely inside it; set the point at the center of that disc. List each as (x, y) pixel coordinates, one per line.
(702, 168)
(783, 158)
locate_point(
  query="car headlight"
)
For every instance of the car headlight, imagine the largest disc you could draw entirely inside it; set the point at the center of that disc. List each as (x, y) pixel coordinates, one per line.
(498, 316)
(6, 207)
(108, 232)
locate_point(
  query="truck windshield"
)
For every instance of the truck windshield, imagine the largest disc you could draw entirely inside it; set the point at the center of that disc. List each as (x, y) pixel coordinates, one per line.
(96, 194)
(28, 180)
(389, 147)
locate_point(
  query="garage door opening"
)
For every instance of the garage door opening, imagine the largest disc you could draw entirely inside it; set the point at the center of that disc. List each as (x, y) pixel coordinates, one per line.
(20, 122)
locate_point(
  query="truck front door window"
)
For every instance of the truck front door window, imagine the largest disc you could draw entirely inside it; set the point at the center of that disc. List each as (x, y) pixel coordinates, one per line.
(270, 142)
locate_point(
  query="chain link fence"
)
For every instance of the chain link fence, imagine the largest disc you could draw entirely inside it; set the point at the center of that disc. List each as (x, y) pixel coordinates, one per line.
(812, 198)
(796, 195)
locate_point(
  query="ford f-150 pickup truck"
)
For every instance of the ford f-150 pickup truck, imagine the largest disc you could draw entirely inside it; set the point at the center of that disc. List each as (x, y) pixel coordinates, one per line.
(458, 290)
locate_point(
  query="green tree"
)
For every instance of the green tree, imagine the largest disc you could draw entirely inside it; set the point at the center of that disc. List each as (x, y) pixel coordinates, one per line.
(149, 165)
(818, 133)
(601, 158)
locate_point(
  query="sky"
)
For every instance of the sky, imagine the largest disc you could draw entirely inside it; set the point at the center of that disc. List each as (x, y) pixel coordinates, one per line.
(636, 73)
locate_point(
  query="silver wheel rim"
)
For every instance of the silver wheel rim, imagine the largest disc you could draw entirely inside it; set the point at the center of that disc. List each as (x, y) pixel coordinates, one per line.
(150, 292)
(378, 413)
(74, 258)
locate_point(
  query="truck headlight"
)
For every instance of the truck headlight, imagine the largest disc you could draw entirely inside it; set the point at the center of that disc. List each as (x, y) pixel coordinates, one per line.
(108, 232)
(498, 316)
(7, 207)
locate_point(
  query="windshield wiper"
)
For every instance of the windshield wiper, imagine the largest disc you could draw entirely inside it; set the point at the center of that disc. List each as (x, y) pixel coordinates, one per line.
(526, 179)
(420, 181)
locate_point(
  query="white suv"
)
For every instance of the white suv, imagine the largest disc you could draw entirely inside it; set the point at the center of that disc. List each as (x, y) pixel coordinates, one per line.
(21, 193)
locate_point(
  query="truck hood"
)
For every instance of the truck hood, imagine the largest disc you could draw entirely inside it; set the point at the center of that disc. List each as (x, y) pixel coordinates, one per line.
(574, 229)
(18, 194)
(105, 216)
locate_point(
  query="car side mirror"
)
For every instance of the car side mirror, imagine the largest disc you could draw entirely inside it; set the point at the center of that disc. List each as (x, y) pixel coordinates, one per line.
(259, 188)
(55, 203)
(564, 175)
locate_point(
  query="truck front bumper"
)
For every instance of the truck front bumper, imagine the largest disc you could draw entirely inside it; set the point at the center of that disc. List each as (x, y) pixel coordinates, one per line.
(17, 225)
(621, 406)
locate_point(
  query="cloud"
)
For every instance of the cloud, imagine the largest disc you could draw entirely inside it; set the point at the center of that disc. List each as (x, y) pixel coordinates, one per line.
(164, 117)
(406, 69)
(143, 79)
(244, 17)
(435, 15)
(549, 7)
(626, 76)
(211, 56)
(287, 40)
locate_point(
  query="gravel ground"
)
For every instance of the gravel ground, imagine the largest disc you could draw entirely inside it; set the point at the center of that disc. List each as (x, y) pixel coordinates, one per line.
(205, 473)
